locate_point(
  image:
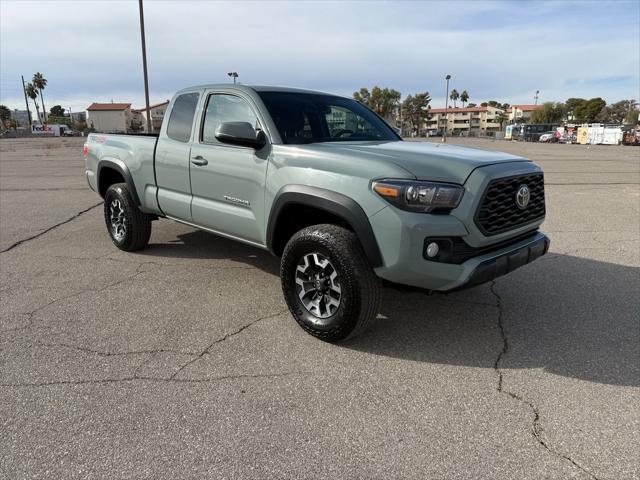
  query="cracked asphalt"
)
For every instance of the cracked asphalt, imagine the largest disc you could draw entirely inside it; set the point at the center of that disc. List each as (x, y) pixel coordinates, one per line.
(181, 361)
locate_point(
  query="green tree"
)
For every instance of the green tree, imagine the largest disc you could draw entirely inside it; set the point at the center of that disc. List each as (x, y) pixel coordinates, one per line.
(383, 101)
(32, 93)
(587, 111)
(632, 114)
(57, 111)
(464, 97)
(501, 117)
(454, 96)
(363, 95)
(59, 120)
(5, 113)
(415, 110)
(570, 106)
(471, 105)
(549, 112)
(40, 83)
(619, 112)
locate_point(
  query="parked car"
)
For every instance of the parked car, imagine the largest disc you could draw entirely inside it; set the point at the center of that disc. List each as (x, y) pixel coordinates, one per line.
(326, 185)
(549, 137)
(67, 132)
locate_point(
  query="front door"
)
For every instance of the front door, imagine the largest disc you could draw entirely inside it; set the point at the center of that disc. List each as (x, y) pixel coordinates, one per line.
(172, 158)
(227, 181)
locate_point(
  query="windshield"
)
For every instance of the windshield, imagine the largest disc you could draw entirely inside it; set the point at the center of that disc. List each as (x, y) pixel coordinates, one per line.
(310, 118)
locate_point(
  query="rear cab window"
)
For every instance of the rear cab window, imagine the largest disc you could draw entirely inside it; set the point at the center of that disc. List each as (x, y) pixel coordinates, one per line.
(181, 118)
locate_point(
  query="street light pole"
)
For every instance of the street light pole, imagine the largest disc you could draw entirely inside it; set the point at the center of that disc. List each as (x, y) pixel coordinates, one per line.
(234, 75)
(144, 66)
(446, 110)
(536, 97)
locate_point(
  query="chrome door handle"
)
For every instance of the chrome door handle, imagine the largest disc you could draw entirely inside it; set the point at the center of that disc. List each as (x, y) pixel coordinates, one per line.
(199, 160)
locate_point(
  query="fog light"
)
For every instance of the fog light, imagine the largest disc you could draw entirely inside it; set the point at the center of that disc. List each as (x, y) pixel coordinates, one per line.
(432, 249)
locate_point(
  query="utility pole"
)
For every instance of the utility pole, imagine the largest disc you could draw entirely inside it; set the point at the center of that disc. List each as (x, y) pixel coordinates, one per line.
(536, 97)
(26, 102)
(446, 110)
(144, 66)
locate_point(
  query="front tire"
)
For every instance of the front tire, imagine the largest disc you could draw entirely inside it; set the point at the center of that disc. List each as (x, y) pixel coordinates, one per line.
(328, 284)
(128, 227)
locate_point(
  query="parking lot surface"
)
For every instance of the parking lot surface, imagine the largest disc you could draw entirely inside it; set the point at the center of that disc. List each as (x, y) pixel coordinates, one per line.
(181, 361)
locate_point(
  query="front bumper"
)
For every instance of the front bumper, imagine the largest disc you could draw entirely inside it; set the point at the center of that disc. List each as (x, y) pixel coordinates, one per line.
(447, 277)
(401, 235)
(506, 262)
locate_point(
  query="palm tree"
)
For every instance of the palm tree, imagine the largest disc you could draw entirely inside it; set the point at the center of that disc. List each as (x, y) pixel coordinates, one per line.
(454, 96)
(32, 93)
(464, 97)
(40, 83)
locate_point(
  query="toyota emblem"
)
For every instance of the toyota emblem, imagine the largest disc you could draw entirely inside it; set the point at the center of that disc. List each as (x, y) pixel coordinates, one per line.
(523, 195)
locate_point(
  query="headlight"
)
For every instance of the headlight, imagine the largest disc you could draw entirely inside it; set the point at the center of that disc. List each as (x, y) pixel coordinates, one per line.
(417, 196)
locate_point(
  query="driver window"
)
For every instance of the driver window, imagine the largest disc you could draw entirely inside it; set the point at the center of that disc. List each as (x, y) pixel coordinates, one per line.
(225, 108)
(344, 122)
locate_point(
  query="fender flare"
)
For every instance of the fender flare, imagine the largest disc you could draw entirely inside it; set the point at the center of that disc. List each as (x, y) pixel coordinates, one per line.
(122, 169)
(332, 202)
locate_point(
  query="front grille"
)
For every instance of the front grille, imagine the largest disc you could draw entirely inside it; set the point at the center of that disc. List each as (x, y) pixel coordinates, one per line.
(498, 211)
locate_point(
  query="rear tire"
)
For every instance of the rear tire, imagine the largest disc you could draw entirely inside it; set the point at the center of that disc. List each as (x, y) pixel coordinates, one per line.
(128, 227)
(328, 284)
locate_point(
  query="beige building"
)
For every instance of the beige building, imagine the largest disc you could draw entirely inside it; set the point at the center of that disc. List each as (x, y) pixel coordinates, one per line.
(520, 113)
(464, 120)
(157, 115)
(110, 117)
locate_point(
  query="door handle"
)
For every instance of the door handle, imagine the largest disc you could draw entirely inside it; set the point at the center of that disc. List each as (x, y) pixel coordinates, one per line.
(199, 160)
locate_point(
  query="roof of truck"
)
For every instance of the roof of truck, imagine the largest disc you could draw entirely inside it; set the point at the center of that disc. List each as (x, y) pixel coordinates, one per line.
(255, 88)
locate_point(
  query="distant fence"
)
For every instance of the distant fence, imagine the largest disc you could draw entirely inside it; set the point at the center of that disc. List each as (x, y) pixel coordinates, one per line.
(20, 133)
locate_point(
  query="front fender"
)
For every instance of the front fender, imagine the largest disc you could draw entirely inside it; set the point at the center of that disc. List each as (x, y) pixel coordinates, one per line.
(332, 202)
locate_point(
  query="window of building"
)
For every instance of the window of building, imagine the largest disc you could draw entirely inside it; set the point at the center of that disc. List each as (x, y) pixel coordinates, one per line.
(181, 118)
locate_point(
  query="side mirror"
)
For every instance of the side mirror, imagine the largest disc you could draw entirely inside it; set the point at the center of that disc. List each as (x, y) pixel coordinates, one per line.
(240, 133)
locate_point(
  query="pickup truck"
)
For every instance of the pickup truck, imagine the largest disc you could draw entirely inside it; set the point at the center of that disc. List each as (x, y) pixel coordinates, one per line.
(325, 184)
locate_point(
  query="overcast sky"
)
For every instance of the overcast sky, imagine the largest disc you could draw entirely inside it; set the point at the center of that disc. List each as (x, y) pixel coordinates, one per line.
(90, 50)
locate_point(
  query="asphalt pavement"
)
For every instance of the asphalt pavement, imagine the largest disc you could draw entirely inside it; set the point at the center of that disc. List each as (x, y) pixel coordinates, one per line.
(181, 361)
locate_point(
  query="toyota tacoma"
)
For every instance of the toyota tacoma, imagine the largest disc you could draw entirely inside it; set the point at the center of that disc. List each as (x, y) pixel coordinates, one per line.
(325, 184)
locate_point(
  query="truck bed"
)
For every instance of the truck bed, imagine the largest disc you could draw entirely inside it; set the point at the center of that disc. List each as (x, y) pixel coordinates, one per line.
(133, 153)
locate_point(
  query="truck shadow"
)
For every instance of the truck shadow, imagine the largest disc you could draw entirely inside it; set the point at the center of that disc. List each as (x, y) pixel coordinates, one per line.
(567, 315)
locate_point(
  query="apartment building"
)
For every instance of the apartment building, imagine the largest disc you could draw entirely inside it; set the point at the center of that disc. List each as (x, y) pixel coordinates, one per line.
(110, 117)
(464, 120)
(157, 115)
(520, 113)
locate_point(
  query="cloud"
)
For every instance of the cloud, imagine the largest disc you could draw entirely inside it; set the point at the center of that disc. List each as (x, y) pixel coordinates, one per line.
(90, 51)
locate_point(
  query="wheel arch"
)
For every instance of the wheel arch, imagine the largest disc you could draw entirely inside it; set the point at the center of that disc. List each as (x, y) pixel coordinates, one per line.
(333, 204)
(109, 167)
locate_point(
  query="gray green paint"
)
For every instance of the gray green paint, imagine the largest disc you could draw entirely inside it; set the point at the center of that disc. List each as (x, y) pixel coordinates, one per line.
(196, 194)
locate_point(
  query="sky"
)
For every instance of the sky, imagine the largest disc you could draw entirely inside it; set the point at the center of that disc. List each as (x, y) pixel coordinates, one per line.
(502, 50)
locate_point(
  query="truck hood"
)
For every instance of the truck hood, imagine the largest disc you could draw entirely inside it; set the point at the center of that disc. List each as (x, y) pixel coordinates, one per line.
(424, 160)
